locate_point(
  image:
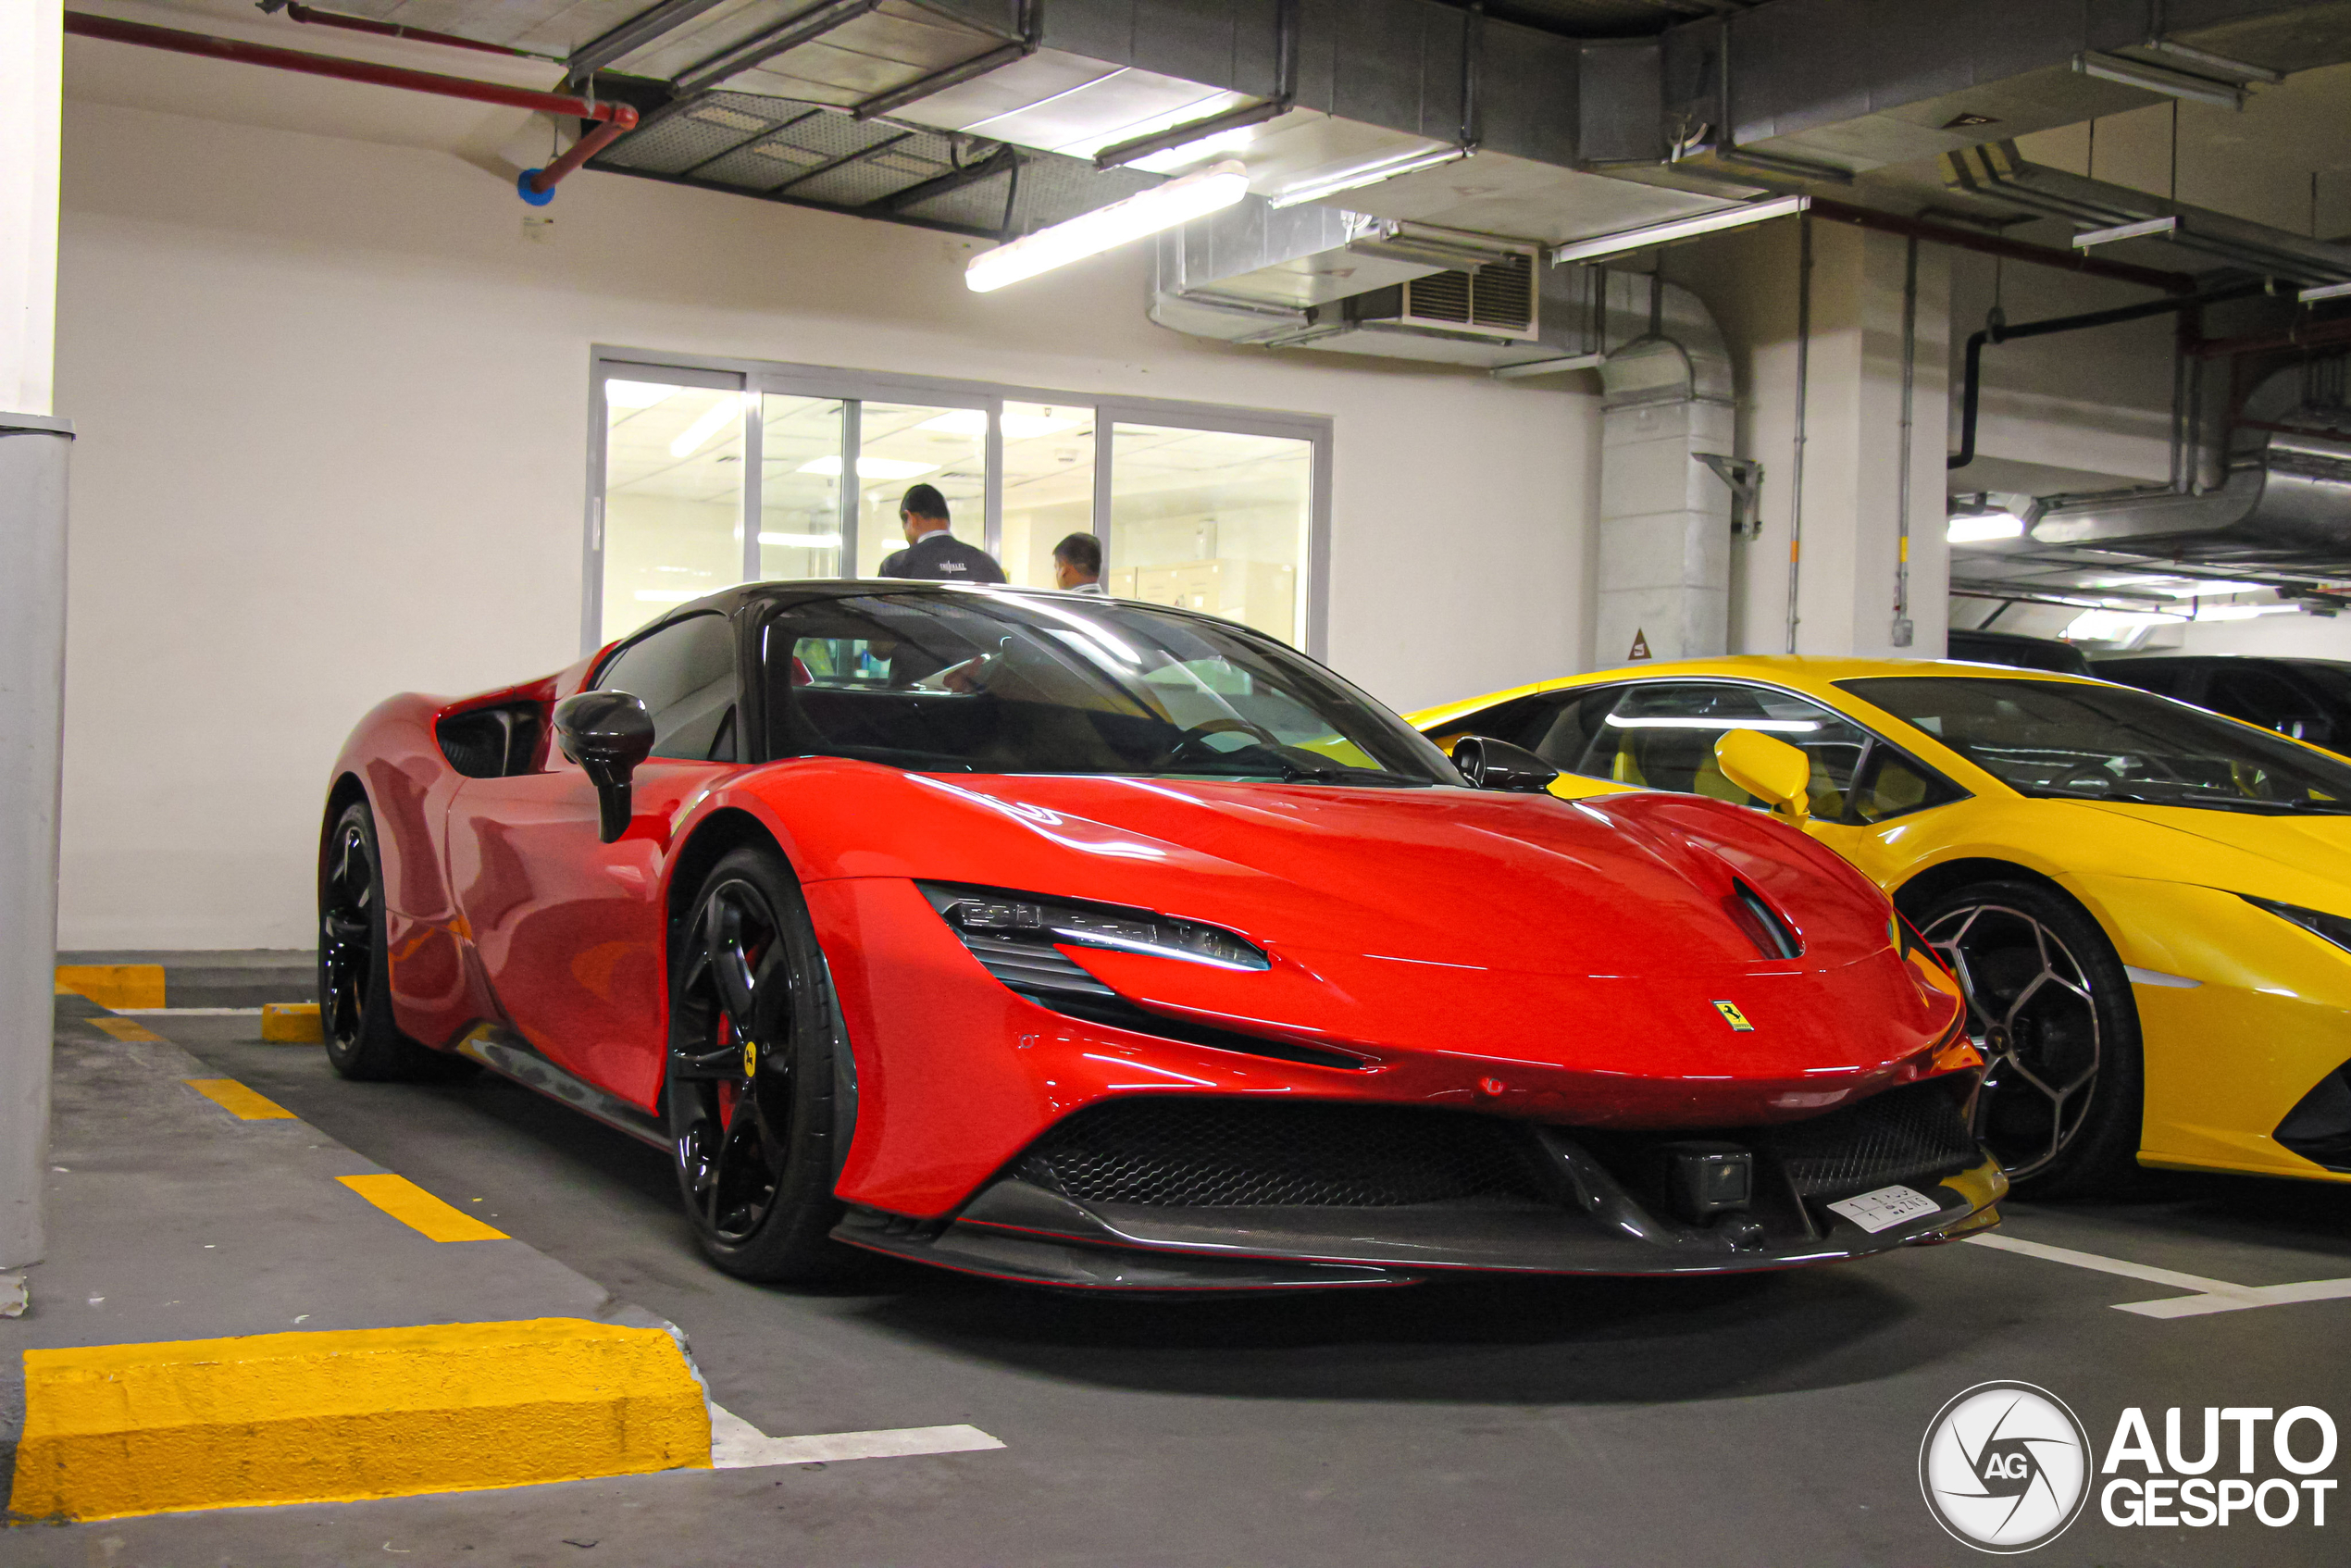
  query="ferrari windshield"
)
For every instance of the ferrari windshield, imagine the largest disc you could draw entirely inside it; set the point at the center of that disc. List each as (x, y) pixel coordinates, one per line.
(1012, 682)
(2112, 743)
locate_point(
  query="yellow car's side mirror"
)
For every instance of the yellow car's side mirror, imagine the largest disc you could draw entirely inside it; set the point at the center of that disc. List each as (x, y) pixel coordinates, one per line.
(1772, 771)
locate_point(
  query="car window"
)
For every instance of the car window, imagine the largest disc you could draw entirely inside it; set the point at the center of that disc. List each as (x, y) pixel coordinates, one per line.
(1662, 734)
(1893, 785)
(1025, 684)
(2257, 696)
(2083, 741)
(2148, 675)
(685, 674)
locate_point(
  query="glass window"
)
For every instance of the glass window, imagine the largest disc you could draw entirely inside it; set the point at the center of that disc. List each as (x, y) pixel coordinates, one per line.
(799, 488)
(1893, 785)
(905, 443)
(2111, 743)
(1213, 520)
(985, 684)
(1049, 486)
(673, 497)
(2256, 696)
(685, 674)
(1662, 734)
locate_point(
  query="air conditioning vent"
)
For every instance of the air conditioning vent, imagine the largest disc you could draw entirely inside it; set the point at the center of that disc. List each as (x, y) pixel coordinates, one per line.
(1498, 299)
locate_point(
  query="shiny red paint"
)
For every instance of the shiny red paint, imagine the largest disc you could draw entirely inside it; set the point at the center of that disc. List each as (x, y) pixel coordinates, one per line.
(1517, 955)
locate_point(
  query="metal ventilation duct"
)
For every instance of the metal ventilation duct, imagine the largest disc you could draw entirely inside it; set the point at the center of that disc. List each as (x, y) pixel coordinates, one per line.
(2288, 509)
(1997, 171)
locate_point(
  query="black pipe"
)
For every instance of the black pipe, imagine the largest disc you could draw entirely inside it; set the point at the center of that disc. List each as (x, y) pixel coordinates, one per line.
(2000, 332)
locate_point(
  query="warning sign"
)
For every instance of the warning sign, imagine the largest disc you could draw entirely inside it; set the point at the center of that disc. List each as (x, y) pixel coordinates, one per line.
(1640, 644)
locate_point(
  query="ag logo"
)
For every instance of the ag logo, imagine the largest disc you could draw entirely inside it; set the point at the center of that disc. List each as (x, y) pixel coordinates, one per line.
(1733, 1017)
(2005, 1467)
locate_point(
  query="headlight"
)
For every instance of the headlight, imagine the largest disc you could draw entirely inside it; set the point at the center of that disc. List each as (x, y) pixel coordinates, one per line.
(993, 915)
(2333, 928)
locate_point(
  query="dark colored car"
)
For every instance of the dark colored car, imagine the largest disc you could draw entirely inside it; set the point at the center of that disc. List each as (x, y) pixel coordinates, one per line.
(2017, 652)
(2308, 699)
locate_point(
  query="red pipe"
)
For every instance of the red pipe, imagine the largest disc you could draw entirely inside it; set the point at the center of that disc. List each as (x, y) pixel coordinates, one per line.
(536, 185)
(302, 13)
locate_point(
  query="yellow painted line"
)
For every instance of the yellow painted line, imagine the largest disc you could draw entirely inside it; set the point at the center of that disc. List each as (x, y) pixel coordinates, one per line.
(113, 985)
(290, 1022)
(238, 1100)
(127, 1031)
(112, 1430)
(419, 1210)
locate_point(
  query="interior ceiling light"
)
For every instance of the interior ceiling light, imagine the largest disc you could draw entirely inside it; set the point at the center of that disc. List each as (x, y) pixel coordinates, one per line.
(2324, 292)
(1173, 159)
(1016, 426)
(868, 467)
(2243, 611)
(634, 394)
(712, 420)
(2144, 229)
(2206, 590)
(1978, 528)
(2160, 79)
(1147, 212)
(801, 540)
(1330, 182)
(1625, 241)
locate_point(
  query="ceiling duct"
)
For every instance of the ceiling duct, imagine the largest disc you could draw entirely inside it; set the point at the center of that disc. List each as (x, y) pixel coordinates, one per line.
(1997, 171)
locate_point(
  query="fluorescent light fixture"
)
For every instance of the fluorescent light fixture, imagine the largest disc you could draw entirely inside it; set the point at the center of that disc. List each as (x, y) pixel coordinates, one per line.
(1978, 528)
(1778, 726)
(2160, 79)
(2324, 292)
(1147, 212)
(1173, 159)
(2206, 590)
(668, 595)
(2140, 230)
(1626, 240)
(801, 540)
(973, 422)
(2243, 611)
(1331, 183)
(829, 466)
(634, 394)
(2220, 63)
(712, 420)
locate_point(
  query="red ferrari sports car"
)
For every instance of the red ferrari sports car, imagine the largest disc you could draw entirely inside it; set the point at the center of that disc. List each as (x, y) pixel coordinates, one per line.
(1092, 943)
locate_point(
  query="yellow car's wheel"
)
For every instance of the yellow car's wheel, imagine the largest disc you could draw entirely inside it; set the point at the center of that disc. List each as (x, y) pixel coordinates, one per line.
(2051, 1008)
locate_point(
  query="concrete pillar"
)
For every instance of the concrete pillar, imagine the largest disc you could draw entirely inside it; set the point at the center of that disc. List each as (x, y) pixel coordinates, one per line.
(1848, 564)
(32, 609)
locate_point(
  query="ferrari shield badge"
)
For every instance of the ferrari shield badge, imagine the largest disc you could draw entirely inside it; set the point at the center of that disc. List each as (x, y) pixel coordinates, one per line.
(1733, 1017)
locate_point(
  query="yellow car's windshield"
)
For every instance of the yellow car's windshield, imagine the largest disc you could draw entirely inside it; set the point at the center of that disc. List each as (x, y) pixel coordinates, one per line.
(2111, 743)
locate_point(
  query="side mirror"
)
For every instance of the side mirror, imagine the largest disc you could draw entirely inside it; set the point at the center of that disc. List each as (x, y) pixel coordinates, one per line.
(607, 733)
(1772, 771)
(1489, 763)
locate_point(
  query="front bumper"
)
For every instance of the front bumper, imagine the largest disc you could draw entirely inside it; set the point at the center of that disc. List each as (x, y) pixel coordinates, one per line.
(1578, 1204)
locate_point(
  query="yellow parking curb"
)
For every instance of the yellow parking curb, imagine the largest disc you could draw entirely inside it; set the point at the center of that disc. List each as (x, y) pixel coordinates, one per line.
(290, 1022)
(113, 985)
(113, 1430)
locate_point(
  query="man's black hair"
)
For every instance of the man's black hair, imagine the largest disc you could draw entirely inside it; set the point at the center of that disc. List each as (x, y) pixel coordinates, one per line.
(1082, 551)
(924, 501)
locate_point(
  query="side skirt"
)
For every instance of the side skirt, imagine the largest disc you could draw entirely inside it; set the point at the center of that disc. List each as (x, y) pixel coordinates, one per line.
(510, 1057)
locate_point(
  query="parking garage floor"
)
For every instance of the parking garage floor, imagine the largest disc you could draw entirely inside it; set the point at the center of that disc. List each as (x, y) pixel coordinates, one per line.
(1766, 1420)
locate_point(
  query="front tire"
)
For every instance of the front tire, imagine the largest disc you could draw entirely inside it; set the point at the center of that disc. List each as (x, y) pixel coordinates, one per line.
(362, 1039)
(750, 1087)
(2051, 1008)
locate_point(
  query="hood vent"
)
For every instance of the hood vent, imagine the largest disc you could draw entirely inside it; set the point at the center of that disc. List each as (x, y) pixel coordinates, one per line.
(1498, 301)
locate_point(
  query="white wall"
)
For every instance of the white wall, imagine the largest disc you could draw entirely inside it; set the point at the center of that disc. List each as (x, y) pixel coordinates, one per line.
(333, 405)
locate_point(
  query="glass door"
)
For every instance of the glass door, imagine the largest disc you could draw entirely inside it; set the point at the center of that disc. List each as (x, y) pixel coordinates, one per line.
(673, 503)
(901, 445)
(800, 516)
(1048, 485)
(1213, 520)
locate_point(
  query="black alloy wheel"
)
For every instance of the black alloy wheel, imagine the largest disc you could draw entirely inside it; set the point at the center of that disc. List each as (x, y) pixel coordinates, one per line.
(355, 965)
(2051, 1008)
(753, 1032)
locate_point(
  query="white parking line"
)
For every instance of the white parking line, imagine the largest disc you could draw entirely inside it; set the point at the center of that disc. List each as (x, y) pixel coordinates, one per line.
(736, 1444)
(2210, 1295)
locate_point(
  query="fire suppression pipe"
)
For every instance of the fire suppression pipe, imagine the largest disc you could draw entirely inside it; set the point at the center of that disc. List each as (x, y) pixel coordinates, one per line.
(296, 11)
(536, 186)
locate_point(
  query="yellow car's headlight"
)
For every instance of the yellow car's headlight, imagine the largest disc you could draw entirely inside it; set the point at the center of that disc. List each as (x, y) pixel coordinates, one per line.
(2333, 928)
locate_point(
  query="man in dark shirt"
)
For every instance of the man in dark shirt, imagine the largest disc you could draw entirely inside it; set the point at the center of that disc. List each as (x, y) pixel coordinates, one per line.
(933, 554)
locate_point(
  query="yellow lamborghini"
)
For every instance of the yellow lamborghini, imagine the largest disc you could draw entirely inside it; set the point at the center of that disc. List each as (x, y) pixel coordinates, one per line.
(2149, 906)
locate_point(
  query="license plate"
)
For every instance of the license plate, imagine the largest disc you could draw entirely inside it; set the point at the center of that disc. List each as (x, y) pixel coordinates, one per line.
(1885, 1208)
